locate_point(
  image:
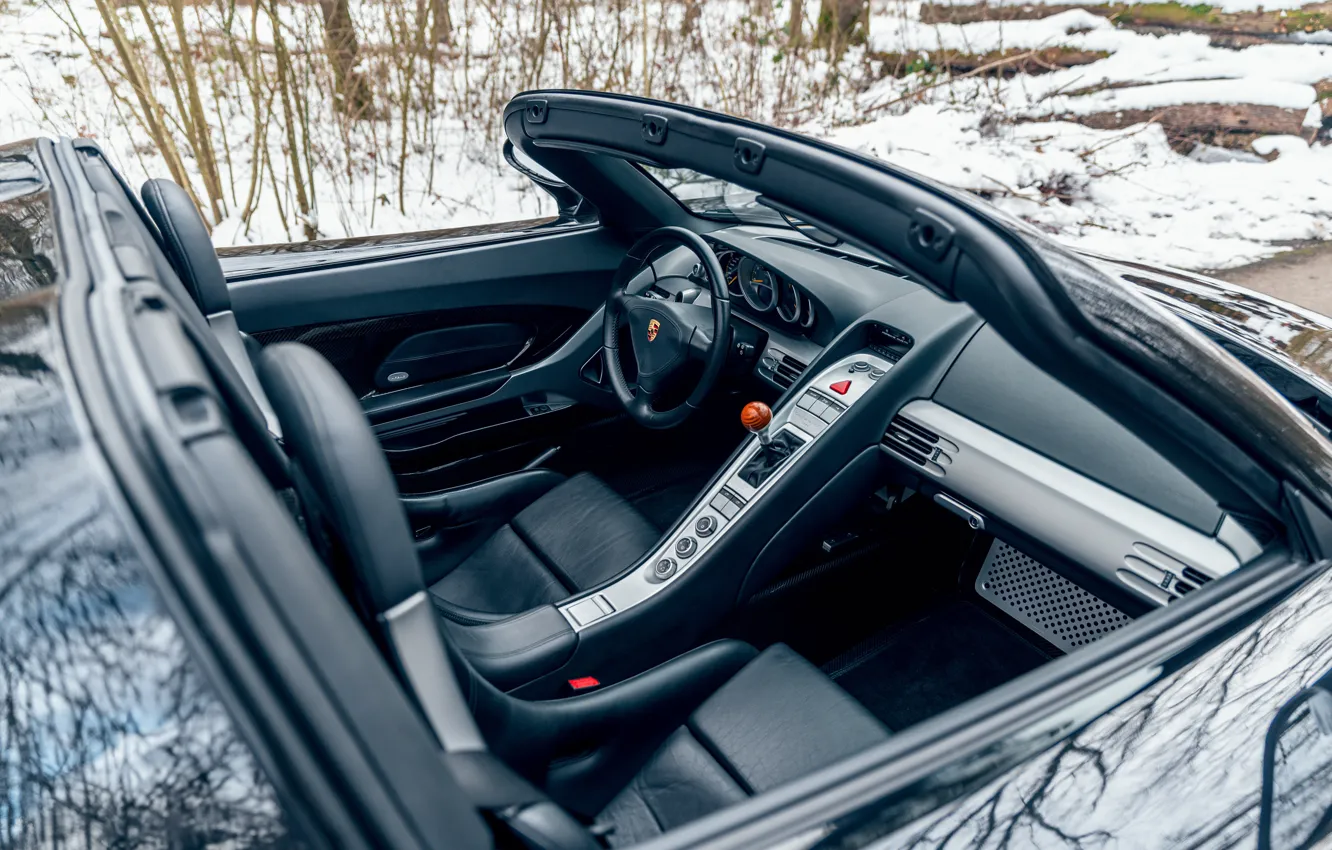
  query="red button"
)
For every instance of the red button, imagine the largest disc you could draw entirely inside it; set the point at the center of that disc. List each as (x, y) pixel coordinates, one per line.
(840, 387)
(582, 683)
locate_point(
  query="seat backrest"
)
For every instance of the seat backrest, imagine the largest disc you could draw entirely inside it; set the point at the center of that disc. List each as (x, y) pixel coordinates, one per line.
(186, 242)
(348, 481)
(189, 249)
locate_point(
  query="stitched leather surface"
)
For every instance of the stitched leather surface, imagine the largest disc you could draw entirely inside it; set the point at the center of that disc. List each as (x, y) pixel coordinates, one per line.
(776, 720)
(780, 718)
(187, 244)
(501, 577)
(571, 538)
(682, 782)
(585, 532)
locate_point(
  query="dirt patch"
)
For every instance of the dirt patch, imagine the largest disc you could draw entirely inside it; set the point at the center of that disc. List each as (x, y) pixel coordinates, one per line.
(1228, 29)
(1301, 276)
(1225, 125)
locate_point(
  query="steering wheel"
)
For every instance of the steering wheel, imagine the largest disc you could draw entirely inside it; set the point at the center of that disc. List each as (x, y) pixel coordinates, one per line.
(664, 335)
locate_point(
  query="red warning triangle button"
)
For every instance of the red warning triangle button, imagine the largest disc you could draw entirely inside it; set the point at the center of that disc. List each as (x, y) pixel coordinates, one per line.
(840, 387)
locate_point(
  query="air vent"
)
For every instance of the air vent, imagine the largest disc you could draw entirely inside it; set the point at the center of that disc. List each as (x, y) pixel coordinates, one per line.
(911, 441)
(1195, 576)
(788, 369)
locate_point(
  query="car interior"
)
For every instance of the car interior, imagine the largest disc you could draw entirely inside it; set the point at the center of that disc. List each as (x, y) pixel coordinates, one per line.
(686, 519)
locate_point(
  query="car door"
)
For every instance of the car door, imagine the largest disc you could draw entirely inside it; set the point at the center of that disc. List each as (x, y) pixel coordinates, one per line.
(475, 351)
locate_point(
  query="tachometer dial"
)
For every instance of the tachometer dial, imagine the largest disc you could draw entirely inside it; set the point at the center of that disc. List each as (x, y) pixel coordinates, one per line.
(759, 285)
(788, 302)
(730, 263)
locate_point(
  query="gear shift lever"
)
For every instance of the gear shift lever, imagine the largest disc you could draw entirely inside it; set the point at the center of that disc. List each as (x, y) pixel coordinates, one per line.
(756, 417)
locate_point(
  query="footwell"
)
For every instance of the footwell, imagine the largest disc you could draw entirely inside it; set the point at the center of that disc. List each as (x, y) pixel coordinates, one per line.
(908, 673)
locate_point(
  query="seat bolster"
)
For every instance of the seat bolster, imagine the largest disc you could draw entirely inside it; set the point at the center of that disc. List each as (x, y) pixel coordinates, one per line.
(585, 749)
(585, 531)
(517, 649)
(780, 718)
(498, 498)
(682, 782)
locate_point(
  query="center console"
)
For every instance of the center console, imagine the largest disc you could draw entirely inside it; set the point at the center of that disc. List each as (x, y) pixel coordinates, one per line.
(800, 422)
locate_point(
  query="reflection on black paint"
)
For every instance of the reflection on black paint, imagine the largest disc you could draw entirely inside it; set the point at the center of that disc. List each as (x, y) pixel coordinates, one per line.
(26, 241)
(108, 735)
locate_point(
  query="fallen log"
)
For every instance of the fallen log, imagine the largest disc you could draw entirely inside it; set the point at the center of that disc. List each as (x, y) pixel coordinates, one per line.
(996, 63)
(1221, 124)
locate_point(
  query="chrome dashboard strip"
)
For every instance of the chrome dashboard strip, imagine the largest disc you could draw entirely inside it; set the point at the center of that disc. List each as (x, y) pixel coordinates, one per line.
(1123, 540)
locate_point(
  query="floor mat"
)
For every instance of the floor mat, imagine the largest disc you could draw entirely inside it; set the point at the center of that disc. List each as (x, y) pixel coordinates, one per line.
(914, 672)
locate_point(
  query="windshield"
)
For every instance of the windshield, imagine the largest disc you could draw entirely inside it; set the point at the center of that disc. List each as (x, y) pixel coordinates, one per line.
(711, 197)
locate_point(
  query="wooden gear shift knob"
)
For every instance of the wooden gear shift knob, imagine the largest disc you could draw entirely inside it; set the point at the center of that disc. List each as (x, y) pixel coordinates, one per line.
(756, 416)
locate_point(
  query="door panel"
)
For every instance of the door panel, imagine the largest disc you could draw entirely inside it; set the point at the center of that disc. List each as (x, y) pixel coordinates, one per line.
(466, 360)
(360, 350)
(452, 351)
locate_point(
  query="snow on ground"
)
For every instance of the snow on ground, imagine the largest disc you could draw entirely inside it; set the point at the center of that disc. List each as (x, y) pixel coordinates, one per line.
(1131, 195)
(1122, 192)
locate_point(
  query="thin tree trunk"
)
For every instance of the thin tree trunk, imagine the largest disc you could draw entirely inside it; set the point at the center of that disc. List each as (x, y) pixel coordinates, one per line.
(343, 53)
(284, 83)
(198, 121)
(796, 24)
(842, 23)
(442, 29)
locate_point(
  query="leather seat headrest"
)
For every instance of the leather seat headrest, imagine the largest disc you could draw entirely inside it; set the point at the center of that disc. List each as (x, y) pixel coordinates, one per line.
(187, 244)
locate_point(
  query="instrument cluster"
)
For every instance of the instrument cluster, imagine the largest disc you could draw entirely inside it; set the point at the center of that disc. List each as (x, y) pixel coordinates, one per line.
(764, 291)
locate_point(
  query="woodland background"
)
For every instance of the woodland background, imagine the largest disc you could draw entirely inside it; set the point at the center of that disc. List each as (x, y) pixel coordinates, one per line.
(1184, 134)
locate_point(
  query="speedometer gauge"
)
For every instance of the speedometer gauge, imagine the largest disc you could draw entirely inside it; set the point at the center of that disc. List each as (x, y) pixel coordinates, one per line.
(759, 285)
(788, 302)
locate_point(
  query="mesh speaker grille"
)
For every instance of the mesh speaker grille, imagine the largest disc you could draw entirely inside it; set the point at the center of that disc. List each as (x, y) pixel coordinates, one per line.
(1044, 601)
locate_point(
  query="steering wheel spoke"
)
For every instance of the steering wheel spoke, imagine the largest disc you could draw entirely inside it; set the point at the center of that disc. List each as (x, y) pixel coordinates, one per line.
(664, 335)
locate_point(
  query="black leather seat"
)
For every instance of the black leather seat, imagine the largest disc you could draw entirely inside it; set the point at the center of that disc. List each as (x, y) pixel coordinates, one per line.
(573, 535)
(571, 538)
(641, 757)
(189, 249)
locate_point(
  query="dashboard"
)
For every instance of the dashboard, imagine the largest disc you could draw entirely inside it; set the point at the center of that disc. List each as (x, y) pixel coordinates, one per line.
(972, 423)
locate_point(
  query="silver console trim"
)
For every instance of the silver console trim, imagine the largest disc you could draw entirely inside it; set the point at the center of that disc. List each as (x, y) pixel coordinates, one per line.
(1099, 528)
(634, 587)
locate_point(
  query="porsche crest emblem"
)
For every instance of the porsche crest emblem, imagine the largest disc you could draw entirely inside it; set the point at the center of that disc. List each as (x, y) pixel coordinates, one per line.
(653, 327)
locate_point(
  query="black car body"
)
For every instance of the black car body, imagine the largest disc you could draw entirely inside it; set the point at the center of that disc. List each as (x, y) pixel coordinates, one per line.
(180, 670)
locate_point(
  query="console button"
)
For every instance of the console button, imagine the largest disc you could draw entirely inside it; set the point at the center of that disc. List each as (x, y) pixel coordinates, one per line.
(819, 408)
(724, 505)
(876, 374)
(663, 569)
(840, 387)
(860, 366)
(807, 401)
(706, 525)
(831, 413)
(686, 546)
